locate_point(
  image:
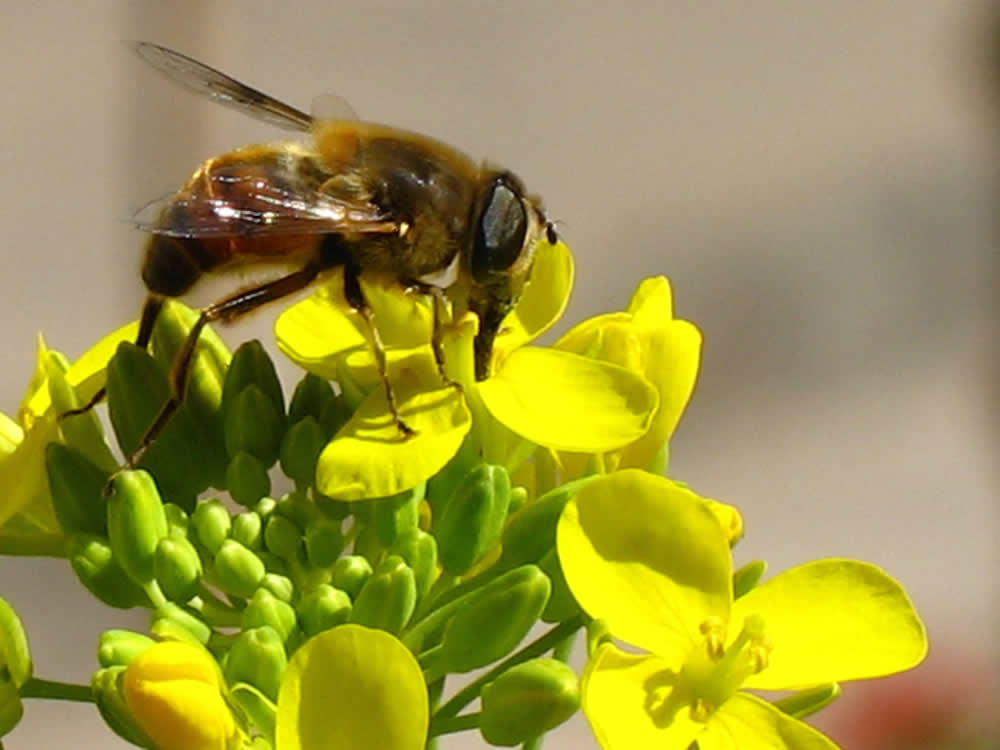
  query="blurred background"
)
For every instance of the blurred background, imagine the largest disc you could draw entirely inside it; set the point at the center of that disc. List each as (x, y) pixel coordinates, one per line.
(818, 180)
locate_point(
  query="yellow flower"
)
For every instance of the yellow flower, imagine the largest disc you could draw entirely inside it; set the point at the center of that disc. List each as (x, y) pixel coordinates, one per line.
(649, 558)
(174, 692)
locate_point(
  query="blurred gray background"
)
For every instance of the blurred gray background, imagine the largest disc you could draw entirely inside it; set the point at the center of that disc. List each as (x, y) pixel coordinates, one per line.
(817, 179)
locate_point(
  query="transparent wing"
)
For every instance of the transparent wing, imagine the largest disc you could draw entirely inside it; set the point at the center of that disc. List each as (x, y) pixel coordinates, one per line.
(217, 86)
(251, 205)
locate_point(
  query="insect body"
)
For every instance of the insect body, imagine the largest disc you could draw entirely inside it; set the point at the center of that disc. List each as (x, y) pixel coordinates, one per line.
(360, 196)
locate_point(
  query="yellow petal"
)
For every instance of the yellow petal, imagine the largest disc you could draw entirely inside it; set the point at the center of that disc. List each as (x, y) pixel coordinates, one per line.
(831, 621)
(630, 702)
(352, 688)
(544, 298)
(24, 484)
(745, 722)
(652, 304)
(369, 457)
(568, 402)
(648, 557)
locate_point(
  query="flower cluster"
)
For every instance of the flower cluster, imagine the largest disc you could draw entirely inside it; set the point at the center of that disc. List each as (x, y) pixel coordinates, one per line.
(315, 578)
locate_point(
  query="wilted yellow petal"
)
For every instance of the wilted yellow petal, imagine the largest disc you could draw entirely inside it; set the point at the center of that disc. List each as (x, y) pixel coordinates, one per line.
(647, 556)
(745, 722)
(831, 621)
(568, 402)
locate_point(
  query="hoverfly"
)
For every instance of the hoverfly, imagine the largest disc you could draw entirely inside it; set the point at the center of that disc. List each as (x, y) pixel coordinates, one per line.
(358, 196)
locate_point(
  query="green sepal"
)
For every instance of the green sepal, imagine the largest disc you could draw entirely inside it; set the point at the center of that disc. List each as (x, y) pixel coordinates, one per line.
(419, 550)
(518, 498)
(11, 707)
(335, 415)
(398, 514)
(116, 648)
(444, 484)
(237, 570)
(252, 367)
(531, 532)
(350, 573)
(323, 608)
(247, 479)
(136, 523)
(247, 529)
(528, 700)
(171, 621)
(82, 431)
(282, 537)
(211, 523)
(94, 563)
(470, 524)
(182, 456)
(253, 424)
(106, 687)
(747, 577)
(178, 520)
(298, 508)
(257, 657)
(265, 609)
(495, 619)
(15, 653)
(388, 598)
(324, 542)
(279, 585)
(311, 396)
(561, 605)
(77, 487)
(256, 710)
(300, 450)
(178, 568)
(805, 703)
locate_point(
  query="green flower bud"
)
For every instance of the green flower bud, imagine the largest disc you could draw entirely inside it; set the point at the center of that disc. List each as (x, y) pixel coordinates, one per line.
(273, 563)
(211, 523)
(518, 497)
(527, 701)
(15, 655)
(282, 537)
(561, 605)
(11, 708)
(238, 571)
(495, 620)
(94, 564)
(298, 508)
(311, 396)
(136, 523)
(264, 608)
(323, 608)
(177, 519)
(258, 711)
(470, 523)
(247, 530)
(253, 424)
(172, 622)
(300, 450)
(531, 533)
(247, 479)
(265, 507)
(388, 598)
(182, 456)
(350, 573)
(116, 648)
(252, 367)
(393, 516)
(77, 490)
(324, 542)
(81, 431)
(279, 585)
(419, 549)
(257, 657)
(106, 686)
(178, 568)
(444, 484)
(335, 415)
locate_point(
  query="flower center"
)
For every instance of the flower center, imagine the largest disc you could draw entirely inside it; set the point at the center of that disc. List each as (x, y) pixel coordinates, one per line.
(713, 673)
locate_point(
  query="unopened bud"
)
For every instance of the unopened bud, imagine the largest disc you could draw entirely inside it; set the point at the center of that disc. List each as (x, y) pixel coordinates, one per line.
(178, 568)
(324, 542)
(350, 574)
(170, 621)
(388, 598)
(311, 396)
(211, 523)
(267, 609)
(136, 523)
(247, 479)
(419, 550)
(105, 684)
(300, 450)
(248, 530)
(116, 648)
(253, 424)
(528, 700)
(282, 537)
(257, 657)
(94, 563)
(323, 608)
(238, 571)
(471, 522)
(393, 516)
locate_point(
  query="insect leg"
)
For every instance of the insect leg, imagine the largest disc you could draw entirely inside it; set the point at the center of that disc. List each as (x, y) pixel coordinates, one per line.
(356, 299)
(438, 302)
(150, 310)
(225, 310)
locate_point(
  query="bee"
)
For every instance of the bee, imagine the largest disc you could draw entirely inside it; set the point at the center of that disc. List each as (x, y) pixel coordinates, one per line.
(357, 196)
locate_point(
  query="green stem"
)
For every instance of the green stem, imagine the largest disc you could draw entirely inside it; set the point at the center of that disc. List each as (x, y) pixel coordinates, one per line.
(454, 724)
(536, 648)
(40, 545)
(60, 691)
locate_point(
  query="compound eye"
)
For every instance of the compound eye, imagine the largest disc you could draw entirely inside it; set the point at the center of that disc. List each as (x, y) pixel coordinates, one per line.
(500, 231)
